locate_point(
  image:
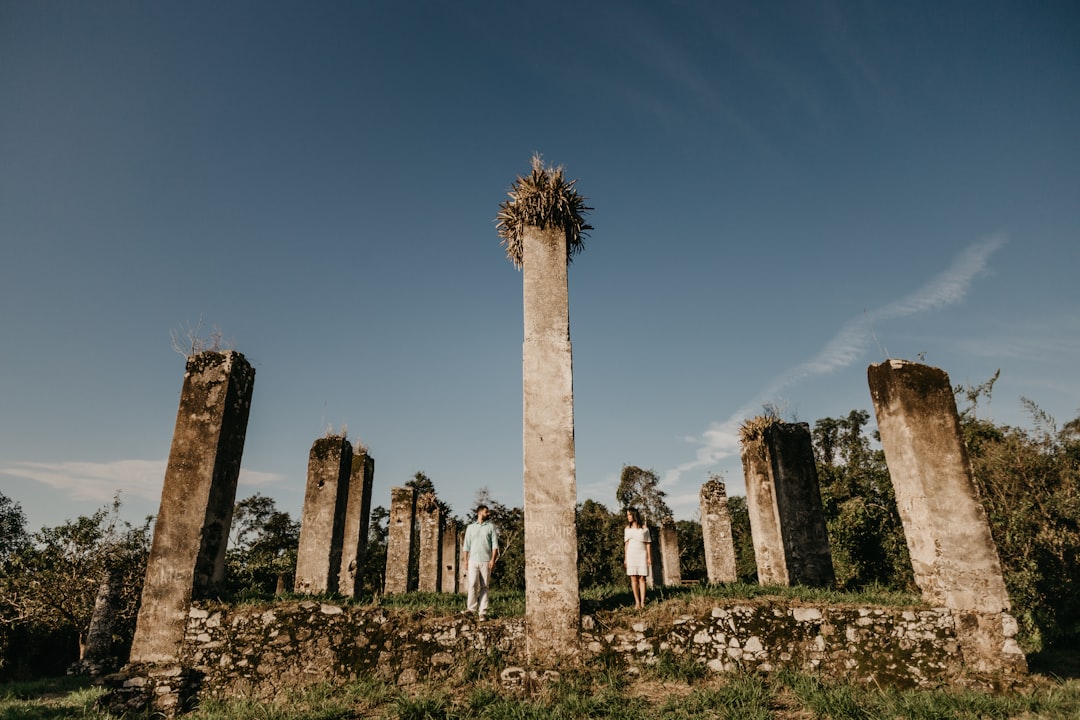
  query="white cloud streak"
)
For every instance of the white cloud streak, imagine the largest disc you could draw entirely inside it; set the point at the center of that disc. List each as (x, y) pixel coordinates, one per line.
(851, 341)
(99, 482)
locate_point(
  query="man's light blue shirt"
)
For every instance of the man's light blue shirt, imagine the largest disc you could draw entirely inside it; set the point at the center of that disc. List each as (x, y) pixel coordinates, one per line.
(481, 540)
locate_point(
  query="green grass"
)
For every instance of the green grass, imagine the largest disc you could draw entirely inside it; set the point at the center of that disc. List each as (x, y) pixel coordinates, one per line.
(586, 693)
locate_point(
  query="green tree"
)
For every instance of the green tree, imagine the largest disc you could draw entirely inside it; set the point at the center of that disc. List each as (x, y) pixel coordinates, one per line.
(600, 545)
(375, 557)
(865, 533)
(641, 489)
(262, 547)
(745, 561)
(1029, 483)
(691, 551)
(13, 535)
(50, 583)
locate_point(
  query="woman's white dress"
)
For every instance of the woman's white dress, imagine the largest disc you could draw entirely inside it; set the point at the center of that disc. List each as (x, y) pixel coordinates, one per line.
(636, 541)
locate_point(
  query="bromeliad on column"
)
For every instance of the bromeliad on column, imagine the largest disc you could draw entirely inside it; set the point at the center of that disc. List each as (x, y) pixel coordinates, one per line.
(542, 227)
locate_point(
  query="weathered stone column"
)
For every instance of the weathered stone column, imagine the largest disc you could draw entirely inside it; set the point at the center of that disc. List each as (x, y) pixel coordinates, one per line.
(96, 652)
(669, 553)
(399, 546)
(552, 610)
(463, 568)
(357, 521)
(322, 525)
(953, 555)
(791, 544)
(449, 583)
(655, 577)
(430, 518)
(716, 532)
(187, 556)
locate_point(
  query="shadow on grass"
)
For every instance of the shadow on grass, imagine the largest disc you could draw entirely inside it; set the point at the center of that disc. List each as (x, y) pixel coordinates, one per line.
(1061, 661)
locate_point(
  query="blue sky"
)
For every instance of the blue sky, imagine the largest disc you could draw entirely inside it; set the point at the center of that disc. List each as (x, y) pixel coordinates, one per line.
(784, 193)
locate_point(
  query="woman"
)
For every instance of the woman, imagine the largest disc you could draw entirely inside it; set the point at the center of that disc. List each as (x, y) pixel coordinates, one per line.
(637, 544)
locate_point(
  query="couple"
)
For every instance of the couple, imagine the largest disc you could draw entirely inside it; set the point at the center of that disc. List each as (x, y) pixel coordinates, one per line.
(479, 552)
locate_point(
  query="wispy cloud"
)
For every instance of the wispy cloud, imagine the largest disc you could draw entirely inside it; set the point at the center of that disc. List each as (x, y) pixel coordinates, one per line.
(99, 482)
(851, 341)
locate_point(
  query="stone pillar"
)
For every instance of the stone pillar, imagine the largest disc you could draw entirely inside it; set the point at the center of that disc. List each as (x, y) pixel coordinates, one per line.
(716, 533)
(552, 610)
(430, 518)
(655, 577)
(953, 555)
(399, 544)
(357, 520)
(787, 522)
(97, 655)
(669, 553)
(322, 526)
(463, 568)
(187, 556)
(449, 558)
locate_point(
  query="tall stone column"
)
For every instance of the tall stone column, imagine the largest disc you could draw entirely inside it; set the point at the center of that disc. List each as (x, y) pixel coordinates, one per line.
(399, 545)
(322, 525)
(449, 577)
(953, 555)
(655, 578)
(716, 532)
(357, 521)
(791, 544)
(552, 610)
(669, 554)
(430, 518)
(187, 555)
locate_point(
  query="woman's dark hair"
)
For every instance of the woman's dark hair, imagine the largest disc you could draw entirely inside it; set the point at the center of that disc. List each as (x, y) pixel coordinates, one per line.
(635, 513)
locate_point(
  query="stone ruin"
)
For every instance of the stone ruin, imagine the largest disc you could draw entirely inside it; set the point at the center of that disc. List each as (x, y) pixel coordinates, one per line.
(954, 557)
(420, 531)
(787, 522)
(716, 533)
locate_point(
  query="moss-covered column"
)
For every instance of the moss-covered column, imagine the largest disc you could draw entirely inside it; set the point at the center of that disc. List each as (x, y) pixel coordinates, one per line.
(449, 575)
(322, 526)
(716, 533)
(399, 545)
(669, 553)
(953, 555)
(430, 518)
(357, 520)
(187, 556)
(787, 521)
(552, 611)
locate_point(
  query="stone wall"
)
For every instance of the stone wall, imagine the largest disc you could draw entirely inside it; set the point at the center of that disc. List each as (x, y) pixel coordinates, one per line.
(260, 651)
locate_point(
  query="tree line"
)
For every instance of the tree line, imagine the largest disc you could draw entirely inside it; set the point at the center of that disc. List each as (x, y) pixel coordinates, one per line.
(1028, 480)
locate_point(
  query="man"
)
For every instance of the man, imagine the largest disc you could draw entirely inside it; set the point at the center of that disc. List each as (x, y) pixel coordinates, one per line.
(479, 552)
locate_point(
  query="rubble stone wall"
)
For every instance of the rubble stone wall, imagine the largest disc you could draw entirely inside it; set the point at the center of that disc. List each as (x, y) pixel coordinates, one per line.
(260, 651)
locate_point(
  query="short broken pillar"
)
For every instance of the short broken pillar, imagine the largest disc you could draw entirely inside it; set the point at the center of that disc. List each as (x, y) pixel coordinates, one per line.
(357, 521)
(322, 525)
(953, 555)
(399, 544)
(429, 516)
(716, 533)
(787, 521)
(669, 553)
(187, 556)
(449, 582)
